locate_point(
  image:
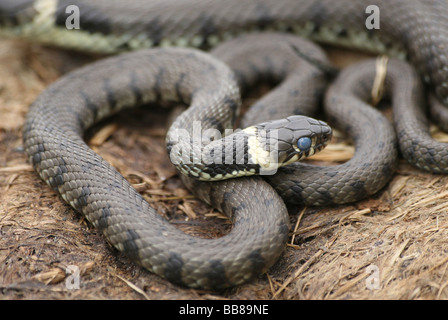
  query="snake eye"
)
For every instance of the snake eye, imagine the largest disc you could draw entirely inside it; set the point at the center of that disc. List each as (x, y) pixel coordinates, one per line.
(304, 144)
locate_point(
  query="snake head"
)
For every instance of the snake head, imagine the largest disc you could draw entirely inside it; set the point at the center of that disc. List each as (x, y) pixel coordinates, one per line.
(294, 138)
(14, 13)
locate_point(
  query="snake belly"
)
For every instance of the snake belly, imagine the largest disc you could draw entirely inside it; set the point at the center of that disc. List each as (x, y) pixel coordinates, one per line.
(110, 27)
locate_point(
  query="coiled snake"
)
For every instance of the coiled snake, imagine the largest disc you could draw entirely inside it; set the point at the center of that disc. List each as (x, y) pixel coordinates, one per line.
(57, 119)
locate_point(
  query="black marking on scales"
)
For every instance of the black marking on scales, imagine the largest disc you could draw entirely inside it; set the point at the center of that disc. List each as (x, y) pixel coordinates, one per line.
(178, 87)
(155, 31)
(90, 105)
(158, 84)
(217, 274)
(103, 222)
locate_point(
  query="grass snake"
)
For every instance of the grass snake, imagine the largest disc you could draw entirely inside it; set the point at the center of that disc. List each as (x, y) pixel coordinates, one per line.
(415, 30)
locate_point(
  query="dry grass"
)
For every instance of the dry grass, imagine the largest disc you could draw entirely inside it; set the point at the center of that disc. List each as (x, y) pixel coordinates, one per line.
(400, 233)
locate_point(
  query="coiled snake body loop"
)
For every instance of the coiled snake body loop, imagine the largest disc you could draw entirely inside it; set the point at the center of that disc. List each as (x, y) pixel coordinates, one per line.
(54, 127)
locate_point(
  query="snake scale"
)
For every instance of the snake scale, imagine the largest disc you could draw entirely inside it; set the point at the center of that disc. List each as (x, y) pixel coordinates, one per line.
(416, 30)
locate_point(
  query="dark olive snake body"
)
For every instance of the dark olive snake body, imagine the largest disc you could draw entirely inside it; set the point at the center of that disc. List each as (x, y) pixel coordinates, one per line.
(58, 118)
